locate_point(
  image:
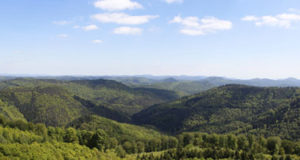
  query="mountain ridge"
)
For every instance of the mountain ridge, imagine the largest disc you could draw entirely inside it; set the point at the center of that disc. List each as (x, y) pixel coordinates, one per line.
(229, 109)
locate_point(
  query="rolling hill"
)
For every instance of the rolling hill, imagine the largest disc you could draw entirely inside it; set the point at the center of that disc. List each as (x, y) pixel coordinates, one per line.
(82, 118)
(106, 93)
(230, 109)
(10, 112)
(118, 96)
(51, 105)
(114, 128)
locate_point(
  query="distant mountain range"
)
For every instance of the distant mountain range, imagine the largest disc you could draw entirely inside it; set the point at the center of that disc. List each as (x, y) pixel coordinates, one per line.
(192, 85)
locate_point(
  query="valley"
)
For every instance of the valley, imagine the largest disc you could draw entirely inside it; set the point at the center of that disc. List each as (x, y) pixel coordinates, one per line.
(154, 121)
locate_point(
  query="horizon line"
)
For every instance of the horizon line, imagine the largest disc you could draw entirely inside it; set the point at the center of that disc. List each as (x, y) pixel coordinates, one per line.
(139, 75)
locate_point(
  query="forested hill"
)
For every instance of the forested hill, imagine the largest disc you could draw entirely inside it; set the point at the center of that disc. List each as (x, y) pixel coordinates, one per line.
(54, 119)
(105, 93)
(230, 109)
(118, 96)
(50, 105)
(104, 139)
(182, 85)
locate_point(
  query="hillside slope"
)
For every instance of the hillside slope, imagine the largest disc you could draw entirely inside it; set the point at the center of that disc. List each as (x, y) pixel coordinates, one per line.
(114, 128)
(118, 96)
(230, 109)
(183, 88)
(107, 93)
(51, 105)
(10, 112)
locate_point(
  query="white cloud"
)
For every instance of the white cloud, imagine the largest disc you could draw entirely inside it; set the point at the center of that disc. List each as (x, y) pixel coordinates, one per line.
(97, 41)
(62, 23)
(128, 30)
(294, 10)
(90, 27)
(174, 1)
(283, 20)
(122, 18)
(194, 26)
(250, 18)
(117, 5)
(76, 27)
(62, 35)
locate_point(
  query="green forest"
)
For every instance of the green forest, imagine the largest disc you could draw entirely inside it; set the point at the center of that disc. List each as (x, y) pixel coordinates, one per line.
(106, 119)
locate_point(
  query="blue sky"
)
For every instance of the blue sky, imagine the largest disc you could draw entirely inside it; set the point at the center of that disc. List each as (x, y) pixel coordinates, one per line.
(232, 38)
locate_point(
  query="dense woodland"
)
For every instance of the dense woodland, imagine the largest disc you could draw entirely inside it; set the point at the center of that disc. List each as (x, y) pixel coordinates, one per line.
(233, 109)
(26, 140)
(105, 119)
(73, 99)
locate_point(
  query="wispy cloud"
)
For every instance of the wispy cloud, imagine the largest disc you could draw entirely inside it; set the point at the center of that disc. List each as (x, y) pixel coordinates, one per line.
(61, 22)
(294, 10)
(128, 30)
(194, 26)
(174, 1)
(250, 18)
(90, 27)
(97, 41)
(117, 5)
(76, 27)
(62, 36)
(283, 20)
(122, 18)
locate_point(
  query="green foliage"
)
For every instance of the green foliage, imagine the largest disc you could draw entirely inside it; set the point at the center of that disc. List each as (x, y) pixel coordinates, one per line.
(71, 136)
(10, 112)
(121, 152)
(99, 140)
(107, 93)
(103, 111)
(119, 97)
(113, 128)
(9, 135)
(45, 151)
(214, 146)
(50, 119)
(38, 142)
(273, 144)
(230, 109)
(50, 105)
(183, 88)
(35, 141)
